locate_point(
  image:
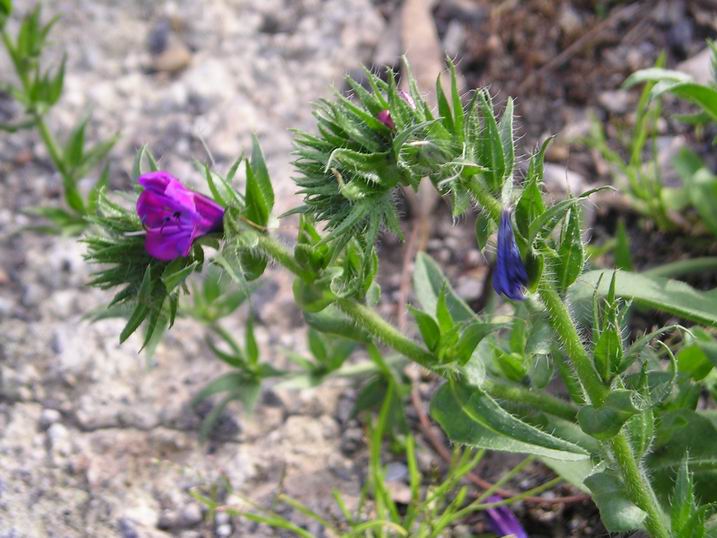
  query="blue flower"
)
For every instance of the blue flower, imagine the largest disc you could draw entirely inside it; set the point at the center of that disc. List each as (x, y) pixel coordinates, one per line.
(510, 276)
(503, 521)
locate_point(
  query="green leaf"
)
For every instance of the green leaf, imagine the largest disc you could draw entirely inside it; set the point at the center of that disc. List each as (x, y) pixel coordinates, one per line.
(428, 328)
(623, 258)
(458, 114)
(659, 293)
(617, 511)
(655, 74)
(571, 253)
(490, 145)
(444, 110)
(485, 226)
(250, 345)
(702, 190)
(317, 346)
(606, 421)
(142, 307)
(177, 272)
(704, 96)
(5, 8)
(685, 434)
(74, 147)
(428, 281)
(470, 416)
(505, 128)
(259, 195)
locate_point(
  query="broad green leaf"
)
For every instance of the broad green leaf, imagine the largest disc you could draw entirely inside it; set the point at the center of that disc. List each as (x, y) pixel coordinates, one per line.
(428, 281)
(662, 294)
(574, 472)
(617, 511)
(686, 434)
(655, 74)
(704, 96)
(470, 416)
(606, 421)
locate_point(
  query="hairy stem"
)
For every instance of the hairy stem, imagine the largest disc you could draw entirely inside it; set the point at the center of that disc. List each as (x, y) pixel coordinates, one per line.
(638, 486)
(281, 255)
(537, 400)
(565, 328)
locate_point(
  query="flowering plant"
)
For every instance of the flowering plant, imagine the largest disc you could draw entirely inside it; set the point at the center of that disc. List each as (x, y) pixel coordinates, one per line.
(628, 429)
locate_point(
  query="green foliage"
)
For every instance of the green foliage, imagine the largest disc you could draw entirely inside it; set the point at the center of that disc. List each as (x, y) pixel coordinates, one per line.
(242, 383)
(659, 293)
(39, 90)
(617, 512)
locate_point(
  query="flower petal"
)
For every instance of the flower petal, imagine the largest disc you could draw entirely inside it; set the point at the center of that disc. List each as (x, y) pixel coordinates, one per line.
(211, 213)
(169, 242)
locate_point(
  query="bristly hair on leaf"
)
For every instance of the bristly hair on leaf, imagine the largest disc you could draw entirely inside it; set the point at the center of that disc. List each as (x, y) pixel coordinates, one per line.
(384, 137)
(349, 169)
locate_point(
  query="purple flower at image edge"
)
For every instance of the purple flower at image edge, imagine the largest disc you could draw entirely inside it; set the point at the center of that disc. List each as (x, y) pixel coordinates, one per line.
(503, 521)
(174, 216)
(510, 276)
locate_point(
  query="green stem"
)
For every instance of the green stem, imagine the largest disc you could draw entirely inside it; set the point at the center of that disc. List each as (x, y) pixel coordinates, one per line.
(638, 487)
(281, 255)
(387, 333)
(53, 149)
(537, 400)
(563, 325)
(486, 200)
(361, 314)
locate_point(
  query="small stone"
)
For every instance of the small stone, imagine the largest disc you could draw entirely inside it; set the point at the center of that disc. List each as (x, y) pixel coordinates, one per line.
(469, 288)
(126, 528)
(615, 101)
(224, 530)
(396, 471)
(569, 20)
(169, 519)
(191, 515)
(559, 178)
(454, 39)
(222, 518)
(49, 417)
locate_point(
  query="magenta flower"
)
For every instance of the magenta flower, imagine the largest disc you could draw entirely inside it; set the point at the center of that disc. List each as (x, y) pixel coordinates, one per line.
(502, 521)
(385, 117)
(173, 216)
(510, 276)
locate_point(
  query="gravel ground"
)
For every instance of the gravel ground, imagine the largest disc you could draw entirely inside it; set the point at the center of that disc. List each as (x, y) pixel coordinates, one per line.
(94, 439)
